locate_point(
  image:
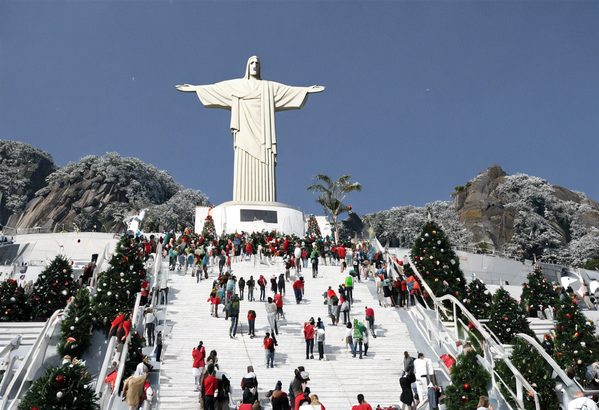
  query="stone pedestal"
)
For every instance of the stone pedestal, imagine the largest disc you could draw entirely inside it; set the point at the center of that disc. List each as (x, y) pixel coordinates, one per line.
(237, 216)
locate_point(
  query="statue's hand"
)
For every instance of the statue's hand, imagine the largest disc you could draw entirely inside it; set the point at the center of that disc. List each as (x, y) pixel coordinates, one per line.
(185, 87)
(316, 89)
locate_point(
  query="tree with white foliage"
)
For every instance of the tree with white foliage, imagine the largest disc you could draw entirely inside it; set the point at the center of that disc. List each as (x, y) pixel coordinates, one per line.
(404, 223)
(179, 210)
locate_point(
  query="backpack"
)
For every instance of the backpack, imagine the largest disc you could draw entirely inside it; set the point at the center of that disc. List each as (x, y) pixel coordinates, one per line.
(349, 281)
(252, 314)
(234, 309)
(249, 383)
(410, 285)
(334, 300)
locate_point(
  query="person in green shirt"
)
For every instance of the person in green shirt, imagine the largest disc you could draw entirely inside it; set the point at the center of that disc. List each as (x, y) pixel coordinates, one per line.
(314, 257)
(358, 338)
(349, 286)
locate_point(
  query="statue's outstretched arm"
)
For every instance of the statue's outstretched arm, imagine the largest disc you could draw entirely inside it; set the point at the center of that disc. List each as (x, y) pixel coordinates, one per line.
(187, 87)
(316, 89)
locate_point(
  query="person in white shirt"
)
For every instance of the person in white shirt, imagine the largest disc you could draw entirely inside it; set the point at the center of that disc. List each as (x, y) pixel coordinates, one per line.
(582, 403)
(297, 254)
(150, 324)
(423, 369)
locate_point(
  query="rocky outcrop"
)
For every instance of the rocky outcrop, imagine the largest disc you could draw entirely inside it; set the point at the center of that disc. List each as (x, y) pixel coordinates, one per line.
(23, 171)
(482, 209)
(79, 206)
(96, 193)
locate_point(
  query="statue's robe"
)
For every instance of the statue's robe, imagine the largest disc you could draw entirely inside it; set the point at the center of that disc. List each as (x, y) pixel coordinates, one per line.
(253, 104)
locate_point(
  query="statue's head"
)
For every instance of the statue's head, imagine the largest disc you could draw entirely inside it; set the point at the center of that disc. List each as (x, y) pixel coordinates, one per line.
(252, 68)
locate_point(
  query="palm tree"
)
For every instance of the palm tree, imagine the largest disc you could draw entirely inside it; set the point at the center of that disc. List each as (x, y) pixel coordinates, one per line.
(331, 195)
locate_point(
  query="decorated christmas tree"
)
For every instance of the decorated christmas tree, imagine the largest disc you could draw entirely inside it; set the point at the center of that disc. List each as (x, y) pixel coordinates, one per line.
(208, 231)
(67, 387)
(575, 343)
(313, 228)
(538, 293)
(437, 262)
(478, 299)
(76, 326)
(120, 283)
(53, 288)
(14, 305)
(469, 381)
(135, 355)
(507, 317)
(535, 370)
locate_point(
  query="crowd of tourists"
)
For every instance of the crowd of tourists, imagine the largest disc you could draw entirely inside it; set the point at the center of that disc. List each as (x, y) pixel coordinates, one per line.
(195, 254)
(210, 258)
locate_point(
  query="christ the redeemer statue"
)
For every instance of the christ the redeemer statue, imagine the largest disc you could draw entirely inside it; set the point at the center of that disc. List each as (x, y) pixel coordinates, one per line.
(253, 103)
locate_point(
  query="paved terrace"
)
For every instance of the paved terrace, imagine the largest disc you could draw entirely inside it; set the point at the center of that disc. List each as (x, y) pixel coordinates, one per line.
(336, 381)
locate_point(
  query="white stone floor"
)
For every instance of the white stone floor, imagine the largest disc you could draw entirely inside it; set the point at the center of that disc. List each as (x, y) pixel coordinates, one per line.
(336, 381)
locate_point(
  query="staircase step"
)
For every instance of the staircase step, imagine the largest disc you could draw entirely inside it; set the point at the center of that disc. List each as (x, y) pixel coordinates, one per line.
(337, 380)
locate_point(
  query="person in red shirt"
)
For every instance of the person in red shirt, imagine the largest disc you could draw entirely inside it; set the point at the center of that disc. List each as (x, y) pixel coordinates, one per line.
(309, 336)
(127, 328)
(278, 299)
(269, 350)
(297, 289)
(363, 405)
(249, 250)
(370, 320)
(302, 398)
(214, 302)
(145, 290)
(403, 300)
(252, 323)
(262, 285)
(210, 386)
(122, 332)
(198, 354)
(115, 324)
(341, 255)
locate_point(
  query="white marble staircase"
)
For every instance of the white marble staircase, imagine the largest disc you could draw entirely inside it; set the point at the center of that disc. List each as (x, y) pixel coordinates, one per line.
(336, 381)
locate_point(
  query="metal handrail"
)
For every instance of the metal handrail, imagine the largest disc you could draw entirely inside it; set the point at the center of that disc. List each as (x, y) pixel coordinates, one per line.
(14, 344)
(125, 351)
(491, 340)
(570, 383)
(107, 358)
(27, 363)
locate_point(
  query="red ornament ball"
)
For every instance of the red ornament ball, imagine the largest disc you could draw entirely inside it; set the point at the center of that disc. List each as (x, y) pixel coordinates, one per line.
(466, 386)
(59, 379)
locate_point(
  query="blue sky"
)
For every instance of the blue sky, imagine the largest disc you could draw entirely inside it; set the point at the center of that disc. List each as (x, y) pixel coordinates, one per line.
(420, 96)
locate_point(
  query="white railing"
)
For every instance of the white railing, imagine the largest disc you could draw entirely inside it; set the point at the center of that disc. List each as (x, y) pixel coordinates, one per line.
(572, 387)
(8, 373)
(102, 258)
(492, 348)
(31, 363)
(123, 359)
